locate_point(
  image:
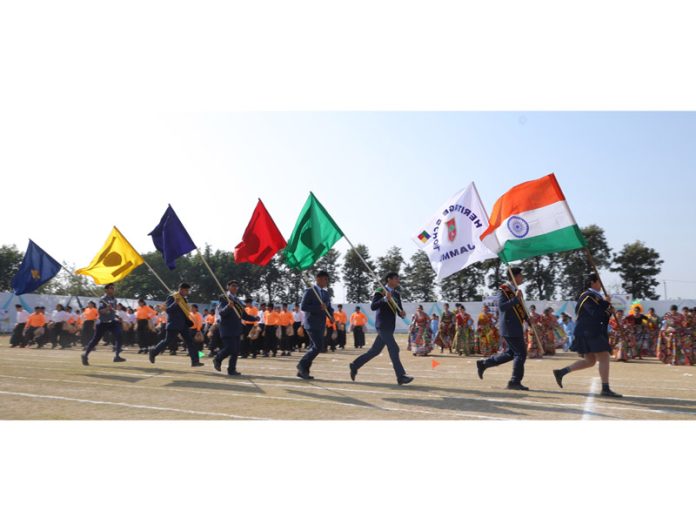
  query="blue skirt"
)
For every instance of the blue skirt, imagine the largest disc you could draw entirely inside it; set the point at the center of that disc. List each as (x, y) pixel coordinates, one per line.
(584, 343)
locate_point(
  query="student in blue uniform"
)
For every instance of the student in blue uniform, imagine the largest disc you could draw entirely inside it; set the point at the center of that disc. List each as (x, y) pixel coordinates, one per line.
(591, 337)
(316, 305)
(231, 328)
(385, 323)
(178, 323)
(512, 317)
(108, 322)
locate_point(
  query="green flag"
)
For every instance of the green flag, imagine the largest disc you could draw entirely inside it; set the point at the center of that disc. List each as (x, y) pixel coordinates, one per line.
(315, 233)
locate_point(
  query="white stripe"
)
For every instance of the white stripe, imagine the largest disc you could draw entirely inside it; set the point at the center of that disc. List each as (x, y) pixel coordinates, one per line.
(133, 406)
(589, 403)
(543, 220)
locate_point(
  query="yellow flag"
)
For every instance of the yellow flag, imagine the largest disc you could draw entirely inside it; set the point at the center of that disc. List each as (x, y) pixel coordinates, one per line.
(114, 261)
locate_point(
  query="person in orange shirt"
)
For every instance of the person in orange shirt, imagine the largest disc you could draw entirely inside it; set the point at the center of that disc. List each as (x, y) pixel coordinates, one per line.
(247, 343)
(34, 329)
(270, 337)
(142, 318)
(89, 317)
(341, 320)
(286, 325)
(197, 327)
(331, 335)
(358, 321)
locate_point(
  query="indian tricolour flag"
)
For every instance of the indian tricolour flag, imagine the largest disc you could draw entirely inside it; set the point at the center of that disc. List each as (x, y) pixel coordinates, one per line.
(532, 219)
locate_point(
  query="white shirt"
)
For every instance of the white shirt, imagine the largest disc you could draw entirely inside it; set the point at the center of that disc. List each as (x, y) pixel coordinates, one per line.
(22, 316)
(59, 316)
(298, 317)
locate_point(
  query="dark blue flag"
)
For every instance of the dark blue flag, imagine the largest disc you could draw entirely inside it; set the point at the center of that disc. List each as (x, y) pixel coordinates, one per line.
(37, 268)
(171, 239)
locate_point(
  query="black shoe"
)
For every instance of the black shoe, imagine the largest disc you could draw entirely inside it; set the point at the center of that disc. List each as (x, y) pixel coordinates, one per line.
(353, 371)
(233, 373)
(557, 373)
(151, 356)
(253, 356)
(480, 368)
(83, 357)
(610, 393)
(197, 364)
(514, 386)
(118, 358)
(405, 379)
(217, 363)
(303, 373)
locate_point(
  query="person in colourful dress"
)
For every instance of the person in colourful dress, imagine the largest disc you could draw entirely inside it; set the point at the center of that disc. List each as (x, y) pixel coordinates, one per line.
(464, 335)
(420, 334)
(487, 333)
(445, 335)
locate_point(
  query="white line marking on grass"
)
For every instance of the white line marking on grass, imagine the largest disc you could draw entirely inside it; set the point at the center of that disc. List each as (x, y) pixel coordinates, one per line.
(133, 406)
(353, 389)
(589, 402)
(267, 397)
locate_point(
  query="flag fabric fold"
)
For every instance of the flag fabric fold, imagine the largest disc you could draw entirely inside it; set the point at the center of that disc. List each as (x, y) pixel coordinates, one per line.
(261, 240)
(171, 238)
(37, 268)
(532, 219)
(114, 261)
(315, 233)
(452, 237)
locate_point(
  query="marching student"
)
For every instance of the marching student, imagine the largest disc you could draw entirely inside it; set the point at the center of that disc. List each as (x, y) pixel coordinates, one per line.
(230, 328)
(316, 305)
(178, 323)
(591, 339)
(512, 317)
(108, 322)
(385, 323)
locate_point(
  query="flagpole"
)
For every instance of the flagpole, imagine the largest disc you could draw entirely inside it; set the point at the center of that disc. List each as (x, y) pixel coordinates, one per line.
(222, 290)
(512, 278)
(392, 303)
(169, 291)
(71, 273)
(590, 258)
(314, 290)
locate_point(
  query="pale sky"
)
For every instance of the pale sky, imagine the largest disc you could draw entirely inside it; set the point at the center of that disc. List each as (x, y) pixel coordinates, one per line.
(69, 178)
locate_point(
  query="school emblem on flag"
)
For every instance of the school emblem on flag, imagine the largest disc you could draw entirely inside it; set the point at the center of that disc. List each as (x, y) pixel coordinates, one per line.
(424, 236)
(35, 274)
(451, 229)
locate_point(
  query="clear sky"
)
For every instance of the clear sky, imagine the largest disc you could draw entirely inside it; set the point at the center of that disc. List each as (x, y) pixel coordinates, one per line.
(67, 179)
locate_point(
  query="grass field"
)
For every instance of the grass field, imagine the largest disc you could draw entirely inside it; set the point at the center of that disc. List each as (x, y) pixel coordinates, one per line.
(52, 384)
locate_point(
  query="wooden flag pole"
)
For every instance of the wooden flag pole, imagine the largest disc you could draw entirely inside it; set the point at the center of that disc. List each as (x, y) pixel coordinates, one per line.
(229, 301)
(392, 303)
(314, 290)
(590, 258)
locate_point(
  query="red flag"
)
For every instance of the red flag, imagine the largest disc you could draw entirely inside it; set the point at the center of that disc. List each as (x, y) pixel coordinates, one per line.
(261, 240)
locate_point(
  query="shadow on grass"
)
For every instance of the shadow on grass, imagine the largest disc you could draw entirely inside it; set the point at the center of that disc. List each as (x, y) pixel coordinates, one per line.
(128, 379)
(483, 407)
(342, 399)
(215, 386)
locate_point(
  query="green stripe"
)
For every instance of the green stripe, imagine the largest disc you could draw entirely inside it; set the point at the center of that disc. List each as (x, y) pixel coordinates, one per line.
(557, 241)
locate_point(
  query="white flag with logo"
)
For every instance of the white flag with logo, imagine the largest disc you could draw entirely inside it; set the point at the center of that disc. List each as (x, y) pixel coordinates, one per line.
(451, 239)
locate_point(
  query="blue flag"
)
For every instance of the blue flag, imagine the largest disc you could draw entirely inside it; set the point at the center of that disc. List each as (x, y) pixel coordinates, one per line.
(37, 268)
(171, 239)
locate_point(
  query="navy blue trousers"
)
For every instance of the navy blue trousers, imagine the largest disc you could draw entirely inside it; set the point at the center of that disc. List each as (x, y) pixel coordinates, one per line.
(114, 327)
(516, 353)
(384, 338)
(316, 338)
(170, 336)
(231, 345)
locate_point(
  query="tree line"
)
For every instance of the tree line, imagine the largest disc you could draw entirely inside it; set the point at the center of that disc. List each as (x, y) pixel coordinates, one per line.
(547, 277)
